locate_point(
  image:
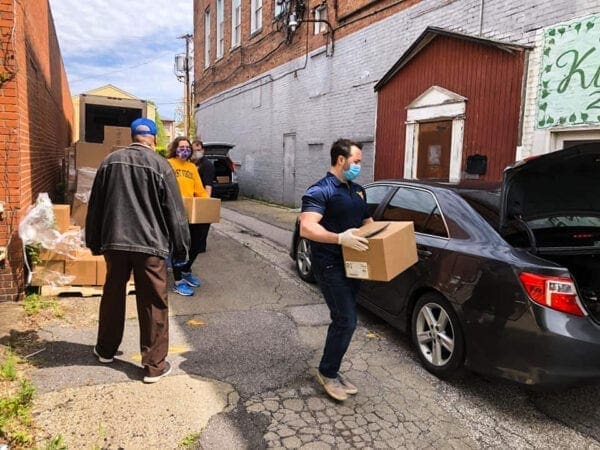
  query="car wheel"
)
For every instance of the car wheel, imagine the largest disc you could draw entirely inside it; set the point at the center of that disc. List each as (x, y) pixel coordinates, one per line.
(437, 336)
(303, 261)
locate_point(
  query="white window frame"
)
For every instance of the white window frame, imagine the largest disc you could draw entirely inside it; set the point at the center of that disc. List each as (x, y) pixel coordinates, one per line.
(236, 23)
(207, 38)
(256, 7)
(220, 28)
(320, 14)
(279, 7)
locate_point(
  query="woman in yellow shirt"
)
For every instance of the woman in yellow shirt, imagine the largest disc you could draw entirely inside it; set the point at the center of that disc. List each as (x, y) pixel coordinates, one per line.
(190, 185)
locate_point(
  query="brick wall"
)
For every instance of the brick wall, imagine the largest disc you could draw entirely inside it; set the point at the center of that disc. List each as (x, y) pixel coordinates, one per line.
(36, 114)
(318, 97)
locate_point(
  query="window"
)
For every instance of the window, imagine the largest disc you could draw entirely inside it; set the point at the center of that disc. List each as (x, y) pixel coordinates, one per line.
(320, 14)
(375, 195)
(220, 28)
(207, 38)
(236, 23)
(417, 206)
(255, 15)
(279, 7)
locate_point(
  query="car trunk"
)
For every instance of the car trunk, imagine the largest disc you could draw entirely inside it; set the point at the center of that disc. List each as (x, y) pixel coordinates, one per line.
(550, 205)
(218, 154)
(222, 169)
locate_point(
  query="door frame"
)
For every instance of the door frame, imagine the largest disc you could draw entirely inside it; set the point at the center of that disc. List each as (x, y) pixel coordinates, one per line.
(285, 193)
(435, 104)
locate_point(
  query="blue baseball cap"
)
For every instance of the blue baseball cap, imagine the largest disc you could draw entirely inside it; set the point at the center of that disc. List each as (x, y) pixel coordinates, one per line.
(143, 125)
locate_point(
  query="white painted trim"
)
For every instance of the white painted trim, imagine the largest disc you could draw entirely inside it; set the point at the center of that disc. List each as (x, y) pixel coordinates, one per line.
(558, 137)
(446, 110)
(456, 148)
(447, 105)
(409, 149)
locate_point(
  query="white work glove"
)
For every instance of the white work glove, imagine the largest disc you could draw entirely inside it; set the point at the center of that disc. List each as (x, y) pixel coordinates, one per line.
(347, 239)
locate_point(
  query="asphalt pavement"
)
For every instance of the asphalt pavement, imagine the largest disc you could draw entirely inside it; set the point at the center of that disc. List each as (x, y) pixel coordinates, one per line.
(243, 351)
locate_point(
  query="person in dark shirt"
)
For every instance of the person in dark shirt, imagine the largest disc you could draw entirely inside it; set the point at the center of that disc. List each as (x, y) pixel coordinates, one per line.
(135, 220)
(207, 174)
(332, 209)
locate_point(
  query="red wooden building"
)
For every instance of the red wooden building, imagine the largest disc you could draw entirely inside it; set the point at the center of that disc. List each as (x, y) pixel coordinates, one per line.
(450, 108)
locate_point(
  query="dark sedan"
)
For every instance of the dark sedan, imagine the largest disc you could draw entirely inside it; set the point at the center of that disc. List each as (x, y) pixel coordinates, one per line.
(508, 277)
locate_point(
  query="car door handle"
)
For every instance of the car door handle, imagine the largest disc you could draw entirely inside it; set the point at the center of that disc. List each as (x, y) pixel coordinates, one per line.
(423, 252)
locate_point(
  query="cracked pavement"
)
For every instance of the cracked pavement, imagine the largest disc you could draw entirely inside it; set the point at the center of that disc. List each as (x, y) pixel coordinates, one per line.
(243, 351)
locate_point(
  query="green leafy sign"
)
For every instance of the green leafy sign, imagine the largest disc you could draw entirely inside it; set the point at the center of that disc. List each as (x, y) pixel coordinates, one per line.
(569, 90)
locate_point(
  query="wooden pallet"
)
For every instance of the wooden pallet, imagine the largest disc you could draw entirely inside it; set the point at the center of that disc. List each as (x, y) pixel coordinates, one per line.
(83, 291)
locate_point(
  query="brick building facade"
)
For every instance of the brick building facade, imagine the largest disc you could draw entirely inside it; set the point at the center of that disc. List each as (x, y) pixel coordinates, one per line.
(36, 116)
(285, 89)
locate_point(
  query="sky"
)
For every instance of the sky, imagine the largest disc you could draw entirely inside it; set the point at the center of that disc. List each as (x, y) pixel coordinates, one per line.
(130, 44)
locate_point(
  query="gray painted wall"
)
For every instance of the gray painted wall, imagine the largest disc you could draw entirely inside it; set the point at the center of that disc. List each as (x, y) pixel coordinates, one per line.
(321, 98)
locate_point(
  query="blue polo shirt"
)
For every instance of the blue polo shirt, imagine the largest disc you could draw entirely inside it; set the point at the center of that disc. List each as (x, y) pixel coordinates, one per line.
(342, 205)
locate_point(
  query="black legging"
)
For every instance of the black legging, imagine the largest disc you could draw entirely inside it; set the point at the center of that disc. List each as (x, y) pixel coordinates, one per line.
(198, 232)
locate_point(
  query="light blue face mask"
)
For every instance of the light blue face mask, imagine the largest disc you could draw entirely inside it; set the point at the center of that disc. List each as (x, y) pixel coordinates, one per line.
(352, 172)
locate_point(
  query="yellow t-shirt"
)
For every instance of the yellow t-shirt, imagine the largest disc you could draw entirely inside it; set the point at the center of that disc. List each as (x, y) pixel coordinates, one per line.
(188, 178)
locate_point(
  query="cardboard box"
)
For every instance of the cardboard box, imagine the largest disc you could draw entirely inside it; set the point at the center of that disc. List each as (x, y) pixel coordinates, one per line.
(79, 212)
(100, 271)
(120, 136)
(223, 180)
(62, 217)
(90, 154)
(202, 210)
(47, 271)
(83, 269)
(392, 250)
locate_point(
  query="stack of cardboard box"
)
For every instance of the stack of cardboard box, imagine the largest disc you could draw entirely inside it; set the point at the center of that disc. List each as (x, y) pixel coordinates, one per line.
(88, 156)
(87, 269)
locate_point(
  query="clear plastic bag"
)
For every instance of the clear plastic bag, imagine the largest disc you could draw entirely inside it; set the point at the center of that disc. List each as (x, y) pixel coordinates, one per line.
(38, 228)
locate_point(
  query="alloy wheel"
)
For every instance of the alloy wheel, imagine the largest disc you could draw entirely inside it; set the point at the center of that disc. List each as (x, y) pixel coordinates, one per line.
(435, 334)
(303, 260)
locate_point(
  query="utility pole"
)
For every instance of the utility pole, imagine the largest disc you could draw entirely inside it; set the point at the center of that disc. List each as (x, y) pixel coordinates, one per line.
(182, 70)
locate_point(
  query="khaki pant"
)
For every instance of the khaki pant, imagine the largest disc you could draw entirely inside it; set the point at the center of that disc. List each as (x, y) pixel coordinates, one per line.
(150, 276)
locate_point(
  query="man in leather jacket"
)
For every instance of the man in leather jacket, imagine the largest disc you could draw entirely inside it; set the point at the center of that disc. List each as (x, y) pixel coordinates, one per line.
(135, 219)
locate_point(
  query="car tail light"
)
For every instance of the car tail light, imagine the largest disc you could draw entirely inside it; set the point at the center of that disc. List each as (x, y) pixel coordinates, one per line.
(558, 293)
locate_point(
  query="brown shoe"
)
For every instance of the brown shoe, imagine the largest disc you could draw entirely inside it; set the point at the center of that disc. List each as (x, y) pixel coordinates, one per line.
(348, 387)
(333, 387)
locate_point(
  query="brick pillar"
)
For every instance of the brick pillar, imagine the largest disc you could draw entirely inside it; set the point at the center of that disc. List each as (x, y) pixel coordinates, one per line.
(11, 268)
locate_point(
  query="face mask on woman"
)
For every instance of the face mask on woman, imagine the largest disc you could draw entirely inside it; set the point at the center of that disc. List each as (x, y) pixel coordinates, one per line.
(183, 153)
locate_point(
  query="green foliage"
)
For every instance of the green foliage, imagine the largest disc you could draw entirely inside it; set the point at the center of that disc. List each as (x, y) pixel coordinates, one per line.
(161, 135)
(15, 415)
(190, 440)
(35, 303)
(8, 368)
(33, 254)
(56, 444)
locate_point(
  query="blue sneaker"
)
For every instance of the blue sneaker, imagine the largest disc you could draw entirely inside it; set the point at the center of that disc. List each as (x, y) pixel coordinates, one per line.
(181, 288)
(190, 279)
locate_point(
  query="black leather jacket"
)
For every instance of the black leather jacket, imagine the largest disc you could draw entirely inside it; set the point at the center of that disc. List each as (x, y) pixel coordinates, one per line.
(135, 205)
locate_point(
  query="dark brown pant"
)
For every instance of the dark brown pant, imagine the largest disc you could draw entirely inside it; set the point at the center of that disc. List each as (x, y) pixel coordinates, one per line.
(150, 276)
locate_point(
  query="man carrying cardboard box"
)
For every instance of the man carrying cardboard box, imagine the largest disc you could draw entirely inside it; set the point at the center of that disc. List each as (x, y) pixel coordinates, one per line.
(332, 209)
(135, 218)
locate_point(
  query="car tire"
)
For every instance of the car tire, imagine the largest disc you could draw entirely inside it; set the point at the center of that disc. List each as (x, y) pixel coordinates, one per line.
(437, 336)
(303, 260)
